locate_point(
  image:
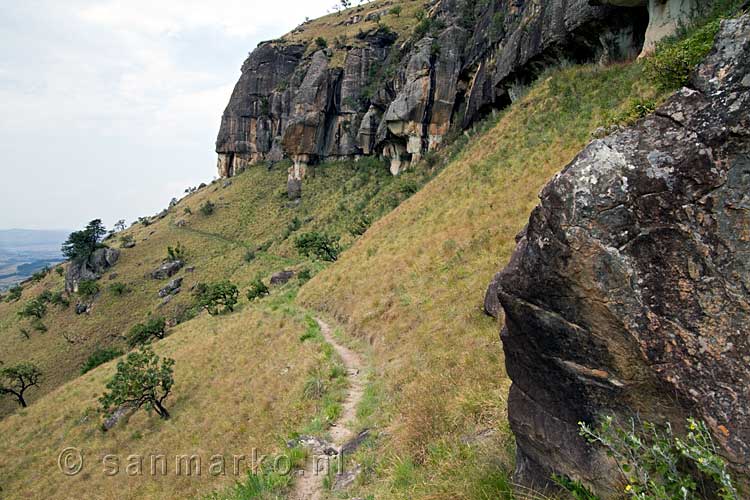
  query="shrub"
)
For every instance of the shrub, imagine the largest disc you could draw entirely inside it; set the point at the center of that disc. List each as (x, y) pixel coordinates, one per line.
(360, 225)
(17, 379)
(38, 326)
(207, 208)
(304, 276)
(99, 357)
(176, 253)
(88, 288)
(14, 293)
(217, 298)
(257, 290)
(187, 211)
(118, 288)
(323, 246)
(321, 43)
(396, 11)
(670, 66)
(35, 308)
(81, 244)
(249, 256)
(59, 299)
(141, 380)
(143, 333)
(657, 464)
(41, 274)
(60, 270)
(127, 239)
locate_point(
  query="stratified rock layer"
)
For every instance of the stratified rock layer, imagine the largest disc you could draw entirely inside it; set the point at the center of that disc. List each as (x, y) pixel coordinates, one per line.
(629, 292)
(398, 98)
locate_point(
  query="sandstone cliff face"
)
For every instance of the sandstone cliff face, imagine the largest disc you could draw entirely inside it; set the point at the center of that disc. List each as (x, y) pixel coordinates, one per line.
(629, 291)
(399, 96)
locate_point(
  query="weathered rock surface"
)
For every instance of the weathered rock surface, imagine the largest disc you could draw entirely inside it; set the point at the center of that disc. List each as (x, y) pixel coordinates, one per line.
(281, 277)
(629, 292)
(167, 269)
(171, 288)
(90, 269)
(398, 98)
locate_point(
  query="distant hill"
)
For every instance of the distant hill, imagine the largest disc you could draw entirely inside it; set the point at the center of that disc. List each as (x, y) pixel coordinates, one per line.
(32, 239)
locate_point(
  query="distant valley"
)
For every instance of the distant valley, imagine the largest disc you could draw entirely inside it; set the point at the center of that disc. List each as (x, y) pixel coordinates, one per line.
(25, 251)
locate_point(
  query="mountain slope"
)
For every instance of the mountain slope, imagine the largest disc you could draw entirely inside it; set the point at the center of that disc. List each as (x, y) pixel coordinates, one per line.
(412, 289)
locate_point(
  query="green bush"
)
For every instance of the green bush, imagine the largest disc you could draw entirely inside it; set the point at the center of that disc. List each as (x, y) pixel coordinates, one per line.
(88, 288)
(14, 293)
(99, 357)
(249, 256)
(321, 43)
(360, 225)
(38, 325)
(304, 276)
(143, 333)
(60, 270)
(178, 252)
(658, 465)
(41, 274)
(396, 11)
(257, 290)
(217, 298)
(59, 299)
(35, 308)
(118, 288)
(207, 208)
(320, 245)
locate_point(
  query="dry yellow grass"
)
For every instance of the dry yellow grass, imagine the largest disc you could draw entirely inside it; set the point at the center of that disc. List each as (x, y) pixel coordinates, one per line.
(238, 386)
(340, 25)
(412, 289)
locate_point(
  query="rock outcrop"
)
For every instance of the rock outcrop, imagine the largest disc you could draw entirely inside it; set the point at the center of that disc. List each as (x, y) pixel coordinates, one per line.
(398, 97)
(629, 291)
(91, 268)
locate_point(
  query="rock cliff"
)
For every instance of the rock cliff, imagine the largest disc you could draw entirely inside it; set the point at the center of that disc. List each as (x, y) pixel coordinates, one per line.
(398, 93)
(629, 290)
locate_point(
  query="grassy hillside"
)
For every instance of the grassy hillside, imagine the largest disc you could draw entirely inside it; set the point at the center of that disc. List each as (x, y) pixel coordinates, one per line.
(410, 292)
(239, 386)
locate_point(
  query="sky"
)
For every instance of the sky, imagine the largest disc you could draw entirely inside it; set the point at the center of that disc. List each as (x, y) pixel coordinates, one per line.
(110, 108)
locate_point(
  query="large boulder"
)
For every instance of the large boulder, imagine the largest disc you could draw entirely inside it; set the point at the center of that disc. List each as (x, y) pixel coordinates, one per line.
(90, 269)
(629, 292)
(167, 269)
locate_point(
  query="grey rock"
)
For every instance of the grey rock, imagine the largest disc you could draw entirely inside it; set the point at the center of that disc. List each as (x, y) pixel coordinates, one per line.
(120, 414)
(628, 294)
(167, 270)
(128, 244)
(90, 269)
(281, 277)
(172, 288)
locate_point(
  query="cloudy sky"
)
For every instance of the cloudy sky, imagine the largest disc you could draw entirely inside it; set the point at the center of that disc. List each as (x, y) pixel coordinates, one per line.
(109, 108)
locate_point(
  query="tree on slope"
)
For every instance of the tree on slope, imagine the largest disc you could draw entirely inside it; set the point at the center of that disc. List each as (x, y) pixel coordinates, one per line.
(81, 244)
(17, 379)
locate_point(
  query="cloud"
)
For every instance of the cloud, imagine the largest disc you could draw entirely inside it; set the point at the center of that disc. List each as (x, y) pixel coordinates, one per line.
(108, 105)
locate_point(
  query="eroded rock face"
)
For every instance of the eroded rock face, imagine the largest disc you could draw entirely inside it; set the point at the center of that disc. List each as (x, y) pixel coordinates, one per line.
(90, 269)
(629, 292)
(665, 16)
(399, 99)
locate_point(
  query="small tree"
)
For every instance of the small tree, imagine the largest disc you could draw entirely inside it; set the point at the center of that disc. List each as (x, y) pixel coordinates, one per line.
(142, 333)
(81, 244)
(321, 245)
(17, 379)
(120, 225)
(321, 42)
(141, 380)
(396, 11)
(257, 289)
(99, 357)
(217, 298)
